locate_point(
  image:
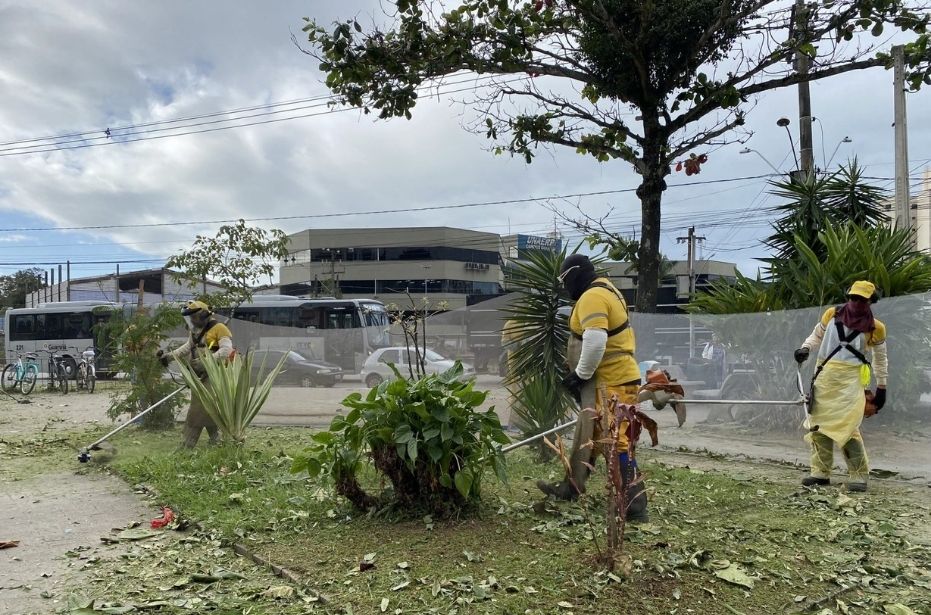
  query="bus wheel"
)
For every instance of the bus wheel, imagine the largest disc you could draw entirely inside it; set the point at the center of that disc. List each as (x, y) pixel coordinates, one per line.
(373, 380)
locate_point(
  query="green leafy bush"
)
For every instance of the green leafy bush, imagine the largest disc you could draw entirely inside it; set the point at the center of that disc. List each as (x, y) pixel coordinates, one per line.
(425, 436)
(134, 338)
(230, 396)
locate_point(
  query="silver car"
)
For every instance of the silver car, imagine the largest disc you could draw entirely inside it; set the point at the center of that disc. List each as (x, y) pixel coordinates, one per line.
(375, 370)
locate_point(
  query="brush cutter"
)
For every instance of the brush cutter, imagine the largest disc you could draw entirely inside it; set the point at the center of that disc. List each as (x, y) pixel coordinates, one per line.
(803, 400)
(84, 456)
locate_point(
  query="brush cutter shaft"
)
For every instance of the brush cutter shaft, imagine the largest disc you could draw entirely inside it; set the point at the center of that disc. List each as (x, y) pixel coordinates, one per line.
(141, 414)
(743, 402)
(511, 447)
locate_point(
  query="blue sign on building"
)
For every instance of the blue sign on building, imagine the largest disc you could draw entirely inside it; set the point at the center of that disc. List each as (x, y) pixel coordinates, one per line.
(534, 242)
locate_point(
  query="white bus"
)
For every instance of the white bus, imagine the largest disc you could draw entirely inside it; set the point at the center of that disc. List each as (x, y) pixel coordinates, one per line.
(67, 327)
(340, 331)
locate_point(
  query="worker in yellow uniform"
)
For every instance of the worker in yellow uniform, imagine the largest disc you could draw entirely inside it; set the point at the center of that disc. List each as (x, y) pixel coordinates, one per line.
(600, 355)
(844, 337)
(207, 335)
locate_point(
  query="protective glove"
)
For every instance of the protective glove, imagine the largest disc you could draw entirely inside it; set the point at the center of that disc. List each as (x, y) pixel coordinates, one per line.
(879, 398)
(801, 355)
(163, 357)
(573, 382)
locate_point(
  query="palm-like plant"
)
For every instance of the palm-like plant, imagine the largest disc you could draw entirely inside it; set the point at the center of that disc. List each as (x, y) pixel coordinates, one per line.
(230, 396)
(539, 334)
(821, 202)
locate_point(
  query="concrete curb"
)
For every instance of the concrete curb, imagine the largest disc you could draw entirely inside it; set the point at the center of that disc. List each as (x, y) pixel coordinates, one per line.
(279, 571)
(238, 548)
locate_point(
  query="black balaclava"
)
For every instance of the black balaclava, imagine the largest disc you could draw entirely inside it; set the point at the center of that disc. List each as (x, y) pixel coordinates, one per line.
(577, 273)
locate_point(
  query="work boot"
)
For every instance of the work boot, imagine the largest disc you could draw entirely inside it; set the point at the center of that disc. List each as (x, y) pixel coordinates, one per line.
(814, 481)
(859, 487)
(561, 491)
(636, 493)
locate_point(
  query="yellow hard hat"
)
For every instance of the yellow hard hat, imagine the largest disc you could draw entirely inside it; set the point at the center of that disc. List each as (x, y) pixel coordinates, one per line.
(193, 307)
(865, 289)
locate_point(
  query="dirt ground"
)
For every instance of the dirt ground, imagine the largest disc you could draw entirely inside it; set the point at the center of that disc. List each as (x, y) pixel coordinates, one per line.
(906, 453)
(62, 513)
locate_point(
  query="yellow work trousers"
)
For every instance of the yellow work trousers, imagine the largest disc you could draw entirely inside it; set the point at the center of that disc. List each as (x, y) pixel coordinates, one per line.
(593, 421)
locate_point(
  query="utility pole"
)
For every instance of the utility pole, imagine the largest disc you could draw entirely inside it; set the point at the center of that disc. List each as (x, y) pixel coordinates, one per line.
(903, 213)
(691, 239)
(802, 61)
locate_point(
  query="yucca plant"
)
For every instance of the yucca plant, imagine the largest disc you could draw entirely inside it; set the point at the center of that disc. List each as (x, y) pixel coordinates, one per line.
(230, 396)
(539, 334)
(821, 202)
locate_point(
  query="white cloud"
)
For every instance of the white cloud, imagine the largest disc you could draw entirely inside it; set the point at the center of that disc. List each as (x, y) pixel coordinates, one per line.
(73, 67)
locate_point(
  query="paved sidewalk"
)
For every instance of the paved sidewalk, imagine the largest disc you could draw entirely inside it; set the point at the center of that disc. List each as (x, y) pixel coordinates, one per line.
(51, 515)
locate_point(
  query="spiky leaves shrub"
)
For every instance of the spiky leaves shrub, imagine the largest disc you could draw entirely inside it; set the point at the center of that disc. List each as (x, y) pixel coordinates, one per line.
(425, 436)
(539, 334)
(133, 340)
(231, 396)
(819, 276)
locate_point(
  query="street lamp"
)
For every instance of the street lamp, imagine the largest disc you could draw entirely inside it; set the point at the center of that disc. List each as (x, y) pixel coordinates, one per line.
(784, 122)
(747, 150)
(844, 140)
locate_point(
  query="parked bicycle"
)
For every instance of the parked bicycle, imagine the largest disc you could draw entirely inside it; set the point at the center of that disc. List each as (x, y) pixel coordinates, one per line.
(22, 374)
(57, 374)
(85, 376)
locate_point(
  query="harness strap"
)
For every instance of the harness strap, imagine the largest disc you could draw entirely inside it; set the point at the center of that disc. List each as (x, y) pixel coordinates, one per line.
(845, 340)
(618, 329)
(198, 339)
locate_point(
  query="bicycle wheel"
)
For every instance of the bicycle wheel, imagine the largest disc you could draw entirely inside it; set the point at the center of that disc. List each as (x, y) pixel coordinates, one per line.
(62, 380)
(90, 382)
(8, 379)
(29, 379)
(80, 379)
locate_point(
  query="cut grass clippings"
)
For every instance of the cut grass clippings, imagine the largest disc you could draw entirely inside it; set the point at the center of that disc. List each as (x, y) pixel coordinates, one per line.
(716, 544)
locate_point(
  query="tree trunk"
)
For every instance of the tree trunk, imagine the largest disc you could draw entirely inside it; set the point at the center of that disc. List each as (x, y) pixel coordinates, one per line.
(650, 191)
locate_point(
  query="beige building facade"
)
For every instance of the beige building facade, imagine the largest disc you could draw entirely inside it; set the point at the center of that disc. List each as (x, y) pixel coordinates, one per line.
(445, 265)
(920, 199)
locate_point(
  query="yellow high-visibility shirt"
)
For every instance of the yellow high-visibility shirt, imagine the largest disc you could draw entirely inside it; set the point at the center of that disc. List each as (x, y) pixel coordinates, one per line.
(605, 308)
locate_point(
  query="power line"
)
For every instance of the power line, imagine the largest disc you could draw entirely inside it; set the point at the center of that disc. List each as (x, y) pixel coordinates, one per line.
(54, 148)
(369, 212)
(271, 105)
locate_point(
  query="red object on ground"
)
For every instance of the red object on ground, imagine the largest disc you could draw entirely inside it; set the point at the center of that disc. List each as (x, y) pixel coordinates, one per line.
(167, 517)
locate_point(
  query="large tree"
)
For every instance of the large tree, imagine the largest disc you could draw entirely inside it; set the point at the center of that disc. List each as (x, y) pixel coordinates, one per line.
(646, 82)
(15, 287)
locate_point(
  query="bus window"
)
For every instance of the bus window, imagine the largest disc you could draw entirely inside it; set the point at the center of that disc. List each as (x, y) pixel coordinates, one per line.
(48, 326)
(311, 317)
(279, 317)
(22, 327)
(342, 318)
(76, 325)
(247, 315)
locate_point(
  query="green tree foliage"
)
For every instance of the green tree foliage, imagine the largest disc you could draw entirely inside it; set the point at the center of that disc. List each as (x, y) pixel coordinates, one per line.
(238, 258)
(425, 436)
(135, 337)
(15, 287)
(578, 70)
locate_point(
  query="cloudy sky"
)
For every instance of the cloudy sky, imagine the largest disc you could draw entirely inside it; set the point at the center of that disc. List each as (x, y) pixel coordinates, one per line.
(69, 68)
